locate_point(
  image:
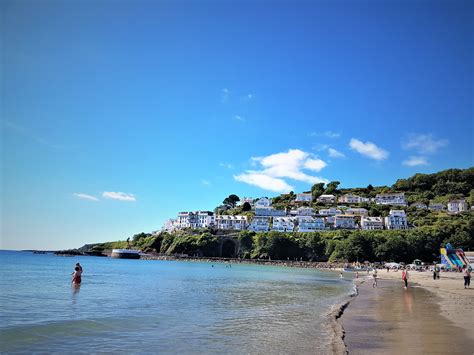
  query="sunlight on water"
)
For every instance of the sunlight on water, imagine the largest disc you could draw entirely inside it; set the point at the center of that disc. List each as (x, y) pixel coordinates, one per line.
(165, 306)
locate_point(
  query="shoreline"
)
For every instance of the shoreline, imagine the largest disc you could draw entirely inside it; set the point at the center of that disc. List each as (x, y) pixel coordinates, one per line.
(421, 319)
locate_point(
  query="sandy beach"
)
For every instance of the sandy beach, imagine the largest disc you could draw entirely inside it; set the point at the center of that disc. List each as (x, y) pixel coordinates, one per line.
(430, 317)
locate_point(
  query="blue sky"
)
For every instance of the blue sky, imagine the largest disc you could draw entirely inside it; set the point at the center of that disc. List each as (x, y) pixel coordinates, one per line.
(118, 114)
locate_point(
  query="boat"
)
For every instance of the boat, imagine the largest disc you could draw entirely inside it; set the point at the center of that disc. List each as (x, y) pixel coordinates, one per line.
(125, 254)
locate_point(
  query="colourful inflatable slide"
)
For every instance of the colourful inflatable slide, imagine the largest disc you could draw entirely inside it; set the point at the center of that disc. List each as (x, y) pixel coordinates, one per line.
(454, 258)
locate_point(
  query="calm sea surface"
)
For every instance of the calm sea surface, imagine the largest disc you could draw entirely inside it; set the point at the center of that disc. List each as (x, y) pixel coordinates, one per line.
(163, 306)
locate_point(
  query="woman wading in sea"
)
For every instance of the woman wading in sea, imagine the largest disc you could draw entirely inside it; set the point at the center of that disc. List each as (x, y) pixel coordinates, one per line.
(405, 277)
(76, 276)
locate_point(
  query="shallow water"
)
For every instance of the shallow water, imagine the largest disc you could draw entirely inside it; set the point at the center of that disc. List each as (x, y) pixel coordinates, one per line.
(166, 306)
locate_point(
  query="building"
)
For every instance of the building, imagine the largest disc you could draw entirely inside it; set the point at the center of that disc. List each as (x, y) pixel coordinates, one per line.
(456, 206)
(246, 199)
(344, 221)
(395, 199)
(329, 211)
(259, 224)
(304, 197)
(310, 224)
(263, 202)
(419, 205)
(436, 207)
(197, 219)
(349, 198)
(305, 211)
(283, 224)
(327, 199)
(170, 225)
(269, 211)
(357, 211)
(397, 219)
(231, 222)
(371, 223)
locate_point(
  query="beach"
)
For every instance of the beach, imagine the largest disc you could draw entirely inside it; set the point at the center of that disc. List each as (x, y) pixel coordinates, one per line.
(430, 317)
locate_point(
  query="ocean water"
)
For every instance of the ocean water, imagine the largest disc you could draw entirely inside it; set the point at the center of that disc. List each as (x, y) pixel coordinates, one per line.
(143, 306)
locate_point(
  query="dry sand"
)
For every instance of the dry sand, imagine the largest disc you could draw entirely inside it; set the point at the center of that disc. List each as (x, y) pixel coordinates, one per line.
(430, 317)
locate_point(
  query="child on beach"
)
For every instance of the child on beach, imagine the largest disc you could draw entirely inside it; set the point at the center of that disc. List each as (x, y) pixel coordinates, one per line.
(405, 277)
(467, 277)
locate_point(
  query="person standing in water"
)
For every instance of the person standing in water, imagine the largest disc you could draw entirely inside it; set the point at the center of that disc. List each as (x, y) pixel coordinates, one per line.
(374, 276)
(76, 276)
(405, 277)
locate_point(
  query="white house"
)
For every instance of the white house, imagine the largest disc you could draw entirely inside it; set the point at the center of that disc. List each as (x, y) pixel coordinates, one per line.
(456, 206)
(197, 219)
(246, 199)
(349, 198)
(304, 211)
(357, 211)
(304, 197)
(259, 224)
(329, 211)
(397, 219)
(170, 225)
(310, 224)
(283, 224)
(344, 221)
(437, 207)
(395, 199)
(371, 223)
(327, 199)
(231, 222)
(419, 205)
(269, 211)
(263, 202)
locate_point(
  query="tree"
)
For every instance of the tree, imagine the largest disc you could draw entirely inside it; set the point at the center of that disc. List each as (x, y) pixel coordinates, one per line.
(231, 200)
(317, 190)
(332, 187)
(246, 207)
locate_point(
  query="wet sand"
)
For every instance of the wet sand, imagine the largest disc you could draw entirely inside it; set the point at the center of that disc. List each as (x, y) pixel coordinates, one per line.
(392, 320)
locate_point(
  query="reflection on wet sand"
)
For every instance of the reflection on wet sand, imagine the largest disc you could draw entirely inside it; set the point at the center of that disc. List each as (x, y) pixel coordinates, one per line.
(394, 320)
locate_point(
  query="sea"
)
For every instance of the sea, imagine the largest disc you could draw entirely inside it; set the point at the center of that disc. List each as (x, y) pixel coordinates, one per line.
(150, 306)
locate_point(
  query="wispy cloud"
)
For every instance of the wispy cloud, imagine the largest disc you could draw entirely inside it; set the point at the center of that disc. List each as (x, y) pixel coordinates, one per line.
(239, 118)
(226, 165)
(276, 167)
(264, 181)
(120, 196)
(205, 182)
(249, 97)
(83, 196)
(333, 153)
(328, 134)
(368, 149)
(415, 161)
(424, 143)
(225, 93)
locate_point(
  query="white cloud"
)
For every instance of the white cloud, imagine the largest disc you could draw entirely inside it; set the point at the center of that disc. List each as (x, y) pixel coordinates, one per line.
(225, 95)
(415, 161)
(263, 181)
(424, 143)
(239, 118)
(205, 182)
(226, 165)
(276, 167)
(368, 149)
(249, 97)
(328, 134)
(121, 196)
(315, 164)
(85, 196)
(333, 153)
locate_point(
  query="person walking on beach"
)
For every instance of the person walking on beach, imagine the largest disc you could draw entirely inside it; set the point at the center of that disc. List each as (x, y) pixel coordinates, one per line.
(76, 276)
(405, 277)
(374, 276)
(467, 277)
